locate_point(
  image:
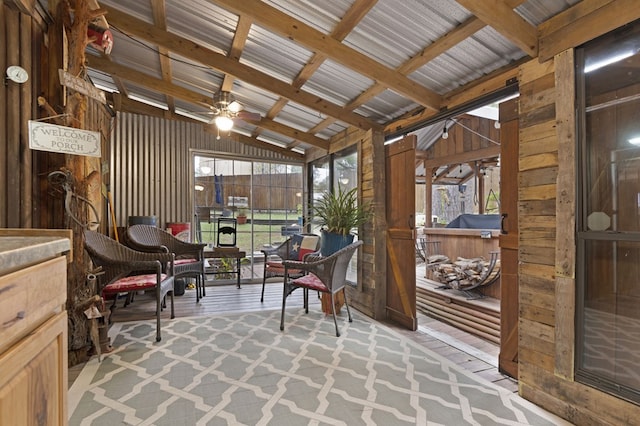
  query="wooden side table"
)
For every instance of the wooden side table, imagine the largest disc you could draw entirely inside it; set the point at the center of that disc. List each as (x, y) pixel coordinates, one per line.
(225, 253)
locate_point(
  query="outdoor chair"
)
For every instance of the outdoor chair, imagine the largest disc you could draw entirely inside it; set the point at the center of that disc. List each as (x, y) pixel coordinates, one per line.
(293, 248)
(324, 274)
(124, 270)
(189, 257)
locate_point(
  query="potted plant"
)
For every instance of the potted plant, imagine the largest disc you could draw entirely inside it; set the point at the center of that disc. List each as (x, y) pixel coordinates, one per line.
(339, 216)
(242, 216)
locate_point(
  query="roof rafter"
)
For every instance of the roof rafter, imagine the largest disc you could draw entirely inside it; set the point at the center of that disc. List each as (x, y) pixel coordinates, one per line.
(224, 64)
(499, 15)
(430, 52)
(160, 18)
(237, 46)
(105, 65)
(317, 41)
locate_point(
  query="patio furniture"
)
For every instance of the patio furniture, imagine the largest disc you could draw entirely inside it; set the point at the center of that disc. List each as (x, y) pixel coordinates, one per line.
(124, 270)
(225, 253)
(189, 257)
(324, 274)
(227, 232)
(293, 248)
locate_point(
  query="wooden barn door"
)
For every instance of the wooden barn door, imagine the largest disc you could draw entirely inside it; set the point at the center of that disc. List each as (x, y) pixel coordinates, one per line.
(401, 257)
(508, 358)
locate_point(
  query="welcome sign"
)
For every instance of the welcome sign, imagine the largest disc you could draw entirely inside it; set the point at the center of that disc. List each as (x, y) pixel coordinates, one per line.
(65, 140)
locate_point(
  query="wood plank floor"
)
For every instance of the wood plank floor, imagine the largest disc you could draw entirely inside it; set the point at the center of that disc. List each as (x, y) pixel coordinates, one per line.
(470, 352)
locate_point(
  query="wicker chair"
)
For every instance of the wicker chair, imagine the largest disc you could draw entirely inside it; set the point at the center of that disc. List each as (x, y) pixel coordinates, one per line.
(287, 250)
(124, 270)
(324, 274)
(189, 257)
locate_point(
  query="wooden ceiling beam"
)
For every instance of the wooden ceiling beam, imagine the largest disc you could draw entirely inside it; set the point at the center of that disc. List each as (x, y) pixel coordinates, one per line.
(264, 145)
(237, 46)
(463, 157)
(317, 41)
(500, 16)
(191, 50)
(153, 83)
(356, 12)
(432, 51)
(582, 22)
(143, 79)
(160, 18)
(274, 126)
(351, 18)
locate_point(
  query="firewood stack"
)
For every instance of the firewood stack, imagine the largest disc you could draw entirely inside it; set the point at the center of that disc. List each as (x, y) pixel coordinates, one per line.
(465, 273)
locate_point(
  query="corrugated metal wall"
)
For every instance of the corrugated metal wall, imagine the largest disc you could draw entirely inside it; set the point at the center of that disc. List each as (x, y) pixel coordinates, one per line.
(150, 166)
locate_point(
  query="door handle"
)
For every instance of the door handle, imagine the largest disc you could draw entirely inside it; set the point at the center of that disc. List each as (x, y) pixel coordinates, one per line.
(503, 217)
(411, 222)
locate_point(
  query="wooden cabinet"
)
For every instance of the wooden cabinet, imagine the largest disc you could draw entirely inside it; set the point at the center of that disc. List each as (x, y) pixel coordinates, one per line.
(33, 330)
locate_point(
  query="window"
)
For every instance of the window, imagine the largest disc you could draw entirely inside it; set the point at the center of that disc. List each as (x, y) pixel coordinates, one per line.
(265, 197)
(608, 216)
(329, 173)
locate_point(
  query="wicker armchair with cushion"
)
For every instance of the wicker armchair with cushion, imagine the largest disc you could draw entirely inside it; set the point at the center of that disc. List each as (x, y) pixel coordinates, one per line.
(324, 274)
(293, 248)
(124, 270)
(189, 257)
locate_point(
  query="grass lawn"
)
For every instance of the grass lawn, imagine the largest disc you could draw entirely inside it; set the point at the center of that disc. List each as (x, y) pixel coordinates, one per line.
(262, 229)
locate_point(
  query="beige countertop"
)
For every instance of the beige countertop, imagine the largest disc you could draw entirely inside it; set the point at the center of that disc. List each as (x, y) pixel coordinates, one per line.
(17, 252)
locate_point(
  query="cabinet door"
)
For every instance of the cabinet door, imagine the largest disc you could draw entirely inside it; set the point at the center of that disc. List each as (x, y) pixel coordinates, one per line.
(33, 377)
(29, 296)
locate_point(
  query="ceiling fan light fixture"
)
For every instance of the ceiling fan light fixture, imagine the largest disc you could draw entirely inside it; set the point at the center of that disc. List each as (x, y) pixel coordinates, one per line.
(224, 123)
(234, 107)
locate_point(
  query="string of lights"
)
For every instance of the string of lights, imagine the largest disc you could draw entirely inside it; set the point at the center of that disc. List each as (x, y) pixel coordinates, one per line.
(445, 130)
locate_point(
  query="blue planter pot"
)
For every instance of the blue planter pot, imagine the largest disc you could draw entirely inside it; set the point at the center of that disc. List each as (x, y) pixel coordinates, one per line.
(331, 243)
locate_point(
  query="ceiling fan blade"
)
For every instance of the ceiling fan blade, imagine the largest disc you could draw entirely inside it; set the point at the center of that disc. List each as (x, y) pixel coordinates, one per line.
(251, 116)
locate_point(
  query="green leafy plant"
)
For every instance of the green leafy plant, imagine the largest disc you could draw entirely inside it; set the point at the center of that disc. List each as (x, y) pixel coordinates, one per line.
(339, 212)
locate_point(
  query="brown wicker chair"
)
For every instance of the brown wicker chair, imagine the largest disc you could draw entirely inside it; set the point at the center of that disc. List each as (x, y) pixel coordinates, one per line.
(287, 251)
(324, 274)
(189, 257)
(124, 270)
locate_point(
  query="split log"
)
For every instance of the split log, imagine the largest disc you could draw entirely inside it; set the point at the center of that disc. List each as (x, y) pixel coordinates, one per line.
(466, 273)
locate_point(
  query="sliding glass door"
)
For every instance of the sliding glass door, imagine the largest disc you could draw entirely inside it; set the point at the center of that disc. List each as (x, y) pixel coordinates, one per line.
(266, 198)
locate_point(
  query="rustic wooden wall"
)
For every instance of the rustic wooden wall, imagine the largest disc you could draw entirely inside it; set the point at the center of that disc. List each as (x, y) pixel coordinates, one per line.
(461, 140)
(547, 249)
(17, 31)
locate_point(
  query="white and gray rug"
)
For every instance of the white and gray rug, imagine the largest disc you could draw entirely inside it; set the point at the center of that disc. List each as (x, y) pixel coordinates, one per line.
(240, 369)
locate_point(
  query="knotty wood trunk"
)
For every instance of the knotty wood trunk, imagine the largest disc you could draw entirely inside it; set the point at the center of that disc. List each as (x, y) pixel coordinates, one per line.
(72, 19)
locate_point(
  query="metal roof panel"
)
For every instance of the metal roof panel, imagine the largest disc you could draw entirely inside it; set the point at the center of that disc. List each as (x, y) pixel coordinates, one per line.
(336, 83)
(276, 56)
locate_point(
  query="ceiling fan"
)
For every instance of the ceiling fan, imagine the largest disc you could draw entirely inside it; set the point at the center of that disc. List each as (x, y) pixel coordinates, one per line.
(226, 109)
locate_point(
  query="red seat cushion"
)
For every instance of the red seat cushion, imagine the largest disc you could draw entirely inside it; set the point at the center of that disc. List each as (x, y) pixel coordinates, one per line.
(312, 282)
(133, 283)
(184, 261)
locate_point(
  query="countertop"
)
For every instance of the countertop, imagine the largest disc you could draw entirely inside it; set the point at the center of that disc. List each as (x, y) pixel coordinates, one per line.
(17, 252)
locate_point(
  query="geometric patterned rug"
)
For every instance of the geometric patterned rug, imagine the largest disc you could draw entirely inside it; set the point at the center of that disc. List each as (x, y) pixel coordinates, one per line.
(240, 369)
